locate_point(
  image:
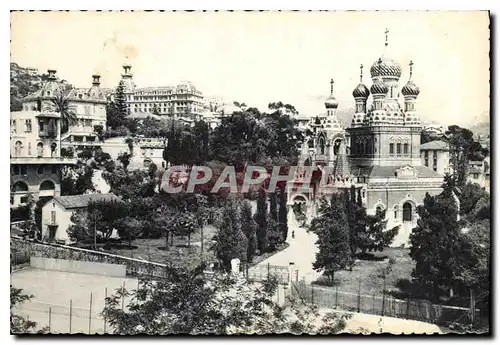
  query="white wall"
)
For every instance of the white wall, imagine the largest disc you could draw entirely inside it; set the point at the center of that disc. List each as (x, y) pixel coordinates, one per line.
(63, 220)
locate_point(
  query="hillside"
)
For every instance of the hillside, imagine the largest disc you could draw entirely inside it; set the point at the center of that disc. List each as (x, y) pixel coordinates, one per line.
(24, 81)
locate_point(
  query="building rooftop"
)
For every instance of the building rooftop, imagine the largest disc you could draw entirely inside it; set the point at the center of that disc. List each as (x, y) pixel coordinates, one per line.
(435, 145)
(82, 200)
(378, 171)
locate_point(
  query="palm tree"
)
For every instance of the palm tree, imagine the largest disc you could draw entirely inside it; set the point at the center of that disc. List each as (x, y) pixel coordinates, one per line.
(68, 116)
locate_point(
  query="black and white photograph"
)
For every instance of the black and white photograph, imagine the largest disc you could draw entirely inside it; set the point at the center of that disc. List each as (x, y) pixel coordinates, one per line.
(250, 173)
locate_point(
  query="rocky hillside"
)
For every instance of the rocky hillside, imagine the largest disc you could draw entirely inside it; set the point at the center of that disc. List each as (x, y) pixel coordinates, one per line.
(24, 81)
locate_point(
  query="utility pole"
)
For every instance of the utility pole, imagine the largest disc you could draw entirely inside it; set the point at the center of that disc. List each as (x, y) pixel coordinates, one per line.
(95, 232)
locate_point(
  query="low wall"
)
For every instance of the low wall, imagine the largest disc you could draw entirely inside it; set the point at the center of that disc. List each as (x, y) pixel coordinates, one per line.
(85, 267)
(134, 267)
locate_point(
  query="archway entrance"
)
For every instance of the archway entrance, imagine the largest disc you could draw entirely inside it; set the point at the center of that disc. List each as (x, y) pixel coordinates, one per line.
(407, 212)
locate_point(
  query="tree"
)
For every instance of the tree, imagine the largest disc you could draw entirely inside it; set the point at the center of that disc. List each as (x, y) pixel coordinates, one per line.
(78, 180)
(129, 228)
(273, 206)
(283, 214)
(97, 222)
(124, 158)
(435, 244)
(333, 237)
(463, 148)
(18, 324)
(274, 235)
(470, 194)
(189, 302)
(62, 105)
(261, 220)
(248, 226)
(230, 242)
(366, 232)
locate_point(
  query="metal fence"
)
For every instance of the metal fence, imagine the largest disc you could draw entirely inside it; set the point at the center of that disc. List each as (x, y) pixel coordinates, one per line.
(384, 305)
(71, 316)
(260, 273)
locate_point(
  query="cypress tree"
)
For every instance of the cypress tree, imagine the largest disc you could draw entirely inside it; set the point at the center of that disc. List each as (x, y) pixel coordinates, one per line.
(283, 214)
(273, 206)
(120, 100)
(261, 220)
(248, 227)
(333, 237)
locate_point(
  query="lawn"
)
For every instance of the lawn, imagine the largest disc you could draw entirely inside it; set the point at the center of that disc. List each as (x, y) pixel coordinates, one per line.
(179, 252)
(367, 275)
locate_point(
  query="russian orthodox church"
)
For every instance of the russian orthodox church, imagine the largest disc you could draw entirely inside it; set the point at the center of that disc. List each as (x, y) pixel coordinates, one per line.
(379, 153)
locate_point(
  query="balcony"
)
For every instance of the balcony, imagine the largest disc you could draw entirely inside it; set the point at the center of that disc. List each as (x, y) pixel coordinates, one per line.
(47, 134)
(43, 160)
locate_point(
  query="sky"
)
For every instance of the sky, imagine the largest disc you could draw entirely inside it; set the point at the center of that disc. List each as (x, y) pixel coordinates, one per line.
(260, 57)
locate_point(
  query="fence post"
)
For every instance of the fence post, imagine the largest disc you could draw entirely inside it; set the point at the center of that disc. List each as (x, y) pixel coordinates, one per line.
(336, 296)
(312, 294)
(472, 318)
(359, 293)
(50, 317)
(70, 313)
(268, 269)
(408, 307)
(383, 297)
(123, 294)
(90, 312)
(373, 301)
(105, 296)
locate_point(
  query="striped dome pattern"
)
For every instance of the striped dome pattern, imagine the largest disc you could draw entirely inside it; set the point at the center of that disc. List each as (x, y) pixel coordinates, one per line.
(379, 88)
(385, 68)
(410, 89)
(361, 91)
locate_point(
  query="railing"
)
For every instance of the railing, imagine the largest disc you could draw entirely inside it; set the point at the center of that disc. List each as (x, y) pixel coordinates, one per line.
(42, 160)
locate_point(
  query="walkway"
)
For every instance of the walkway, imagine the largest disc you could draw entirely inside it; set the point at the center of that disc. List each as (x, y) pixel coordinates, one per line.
(302, 252)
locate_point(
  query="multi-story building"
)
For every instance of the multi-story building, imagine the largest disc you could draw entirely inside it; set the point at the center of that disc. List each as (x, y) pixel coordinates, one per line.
(36, 160)
(88, 104)
(479, 172)
(379, 153)
(436, 155)
(183, 101)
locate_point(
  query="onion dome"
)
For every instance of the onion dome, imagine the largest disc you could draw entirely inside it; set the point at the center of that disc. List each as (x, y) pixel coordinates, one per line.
(379, 87)
(331, 102)
(385, 67)
(361, 91)
(410, 89)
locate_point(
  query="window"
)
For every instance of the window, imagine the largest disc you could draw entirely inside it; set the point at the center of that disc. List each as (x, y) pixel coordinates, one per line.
(54, 169)
(24, 199)
(13, 129)
(426, 158)
(398, 149)
(405, 148)
(16, 170)
(28, 126)
(88, 123)
(476, 176)
(24, 170)
(391, 148)
(18, 149)
(40, 169)
(53, 217)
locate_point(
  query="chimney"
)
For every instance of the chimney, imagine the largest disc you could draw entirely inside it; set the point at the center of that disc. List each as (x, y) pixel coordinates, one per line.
(52, 74)
(96, 80)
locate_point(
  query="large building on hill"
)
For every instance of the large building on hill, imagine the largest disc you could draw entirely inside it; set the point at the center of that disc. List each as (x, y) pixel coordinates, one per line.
(380, 152)
(183, 101)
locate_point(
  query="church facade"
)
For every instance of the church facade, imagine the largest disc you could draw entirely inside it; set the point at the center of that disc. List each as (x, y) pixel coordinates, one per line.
(379, 153)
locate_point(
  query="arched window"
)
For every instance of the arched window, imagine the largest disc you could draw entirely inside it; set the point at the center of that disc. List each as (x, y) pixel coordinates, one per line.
(19, 186)
(53, 148)
(396, 211)
(322, 145)
(39, 149)
(407, 212)
(47, 185)
(18, 149)
(147, 163)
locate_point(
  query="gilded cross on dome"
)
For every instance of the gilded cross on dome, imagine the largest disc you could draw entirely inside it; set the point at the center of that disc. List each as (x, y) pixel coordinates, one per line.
(331, 86)
(361, 74)
(411, 68)
(386, 37)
